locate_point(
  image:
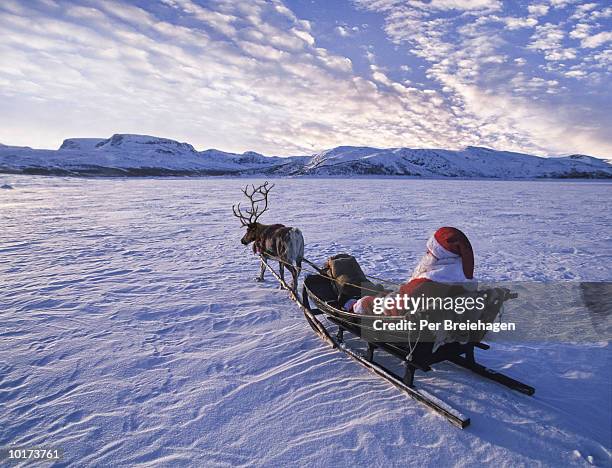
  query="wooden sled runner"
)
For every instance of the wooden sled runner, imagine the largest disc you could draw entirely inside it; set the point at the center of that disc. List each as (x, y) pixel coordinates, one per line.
(320, 291)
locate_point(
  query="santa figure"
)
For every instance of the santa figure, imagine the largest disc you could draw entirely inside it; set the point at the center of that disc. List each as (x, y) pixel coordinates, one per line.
(446, 270)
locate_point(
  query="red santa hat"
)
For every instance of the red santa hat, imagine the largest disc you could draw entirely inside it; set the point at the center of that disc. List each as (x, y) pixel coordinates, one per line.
(453, 240)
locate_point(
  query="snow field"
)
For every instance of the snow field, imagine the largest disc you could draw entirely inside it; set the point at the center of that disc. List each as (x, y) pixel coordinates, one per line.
(132, 332)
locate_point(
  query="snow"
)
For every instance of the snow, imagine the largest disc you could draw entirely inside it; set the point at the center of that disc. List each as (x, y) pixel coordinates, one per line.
(132, 331)
(81, 143)
(137, 155)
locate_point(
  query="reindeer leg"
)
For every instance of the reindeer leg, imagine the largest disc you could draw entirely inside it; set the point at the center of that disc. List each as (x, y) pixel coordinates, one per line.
(294, 277)
(298, 270)
(281, 269)
(262, 270)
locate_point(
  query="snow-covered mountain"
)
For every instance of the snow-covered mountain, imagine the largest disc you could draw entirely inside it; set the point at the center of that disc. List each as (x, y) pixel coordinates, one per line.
(470, 162)
(130, 155)
(141, 155)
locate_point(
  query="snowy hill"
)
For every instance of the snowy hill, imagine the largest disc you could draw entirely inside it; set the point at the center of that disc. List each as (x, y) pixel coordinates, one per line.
(142, 155)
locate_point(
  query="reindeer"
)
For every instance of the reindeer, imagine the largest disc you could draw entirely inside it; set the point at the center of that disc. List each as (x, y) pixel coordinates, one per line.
(276, 240)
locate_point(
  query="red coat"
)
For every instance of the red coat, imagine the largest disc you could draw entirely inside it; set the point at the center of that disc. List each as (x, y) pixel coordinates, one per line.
(415, 287)
(449, 260)
(411, 288)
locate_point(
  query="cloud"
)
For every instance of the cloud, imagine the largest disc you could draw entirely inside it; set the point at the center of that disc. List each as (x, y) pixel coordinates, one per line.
(581, 31)
(345, 31)
(370, 55)
(518, 23)
(222, 22)
(464, 5)
(596, 40)
(253, 75)
(576, 73)
(538, 10)
(548, 38)
(561, 3)
(472, 59)
(221, 78)
(304, 35)
(583, 10)
(341, 31)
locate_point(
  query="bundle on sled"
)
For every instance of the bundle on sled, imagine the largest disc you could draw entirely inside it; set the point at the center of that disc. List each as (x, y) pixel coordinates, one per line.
(343, 294)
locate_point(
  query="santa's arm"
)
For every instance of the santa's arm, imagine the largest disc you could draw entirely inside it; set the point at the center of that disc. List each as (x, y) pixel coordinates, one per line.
(409, 288)
(365, 305)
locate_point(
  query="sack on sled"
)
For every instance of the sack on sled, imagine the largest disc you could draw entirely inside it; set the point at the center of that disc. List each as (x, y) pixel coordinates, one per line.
(349, 279)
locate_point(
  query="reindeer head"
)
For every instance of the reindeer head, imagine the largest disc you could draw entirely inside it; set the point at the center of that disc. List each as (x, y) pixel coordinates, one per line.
(256, 196)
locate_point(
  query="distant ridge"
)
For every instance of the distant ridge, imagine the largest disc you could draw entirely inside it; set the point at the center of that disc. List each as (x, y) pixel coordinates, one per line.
(127, 155)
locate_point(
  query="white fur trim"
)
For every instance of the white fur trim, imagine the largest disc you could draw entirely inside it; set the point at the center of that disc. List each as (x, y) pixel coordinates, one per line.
(437, 250)
(440, 265)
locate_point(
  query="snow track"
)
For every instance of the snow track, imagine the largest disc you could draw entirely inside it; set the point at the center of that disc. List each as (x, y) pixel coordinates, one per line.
(131, 330)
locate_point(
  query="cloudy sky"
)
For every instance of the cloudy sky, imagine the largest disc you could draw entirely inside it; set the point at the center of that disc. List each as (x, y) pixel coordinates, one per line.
(297, 76)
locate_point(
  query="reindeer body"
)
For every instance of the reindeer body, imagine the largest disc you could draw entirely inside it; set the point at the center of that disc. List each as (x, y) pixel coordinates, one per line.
(286, 244)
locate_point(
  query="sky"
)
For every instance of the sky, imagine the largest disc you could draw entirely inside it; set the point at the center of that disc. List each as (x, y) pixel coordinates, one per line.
(299, 76)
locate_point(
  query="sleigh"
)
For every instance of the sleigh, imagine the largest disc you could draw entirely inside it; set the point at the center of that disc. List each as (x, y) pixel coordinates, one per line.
(320, 291)
(331, 323)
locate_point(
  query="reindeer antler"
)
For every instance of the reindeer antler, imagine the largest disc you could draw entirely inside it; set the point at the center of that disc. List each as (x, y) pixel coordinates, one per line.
(254, 213)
